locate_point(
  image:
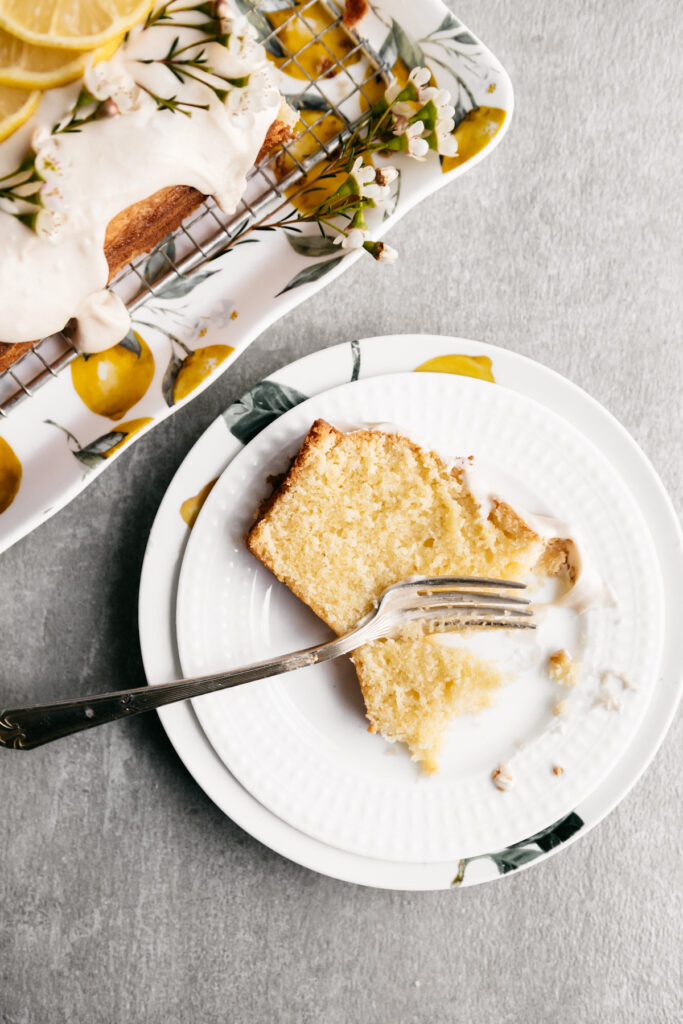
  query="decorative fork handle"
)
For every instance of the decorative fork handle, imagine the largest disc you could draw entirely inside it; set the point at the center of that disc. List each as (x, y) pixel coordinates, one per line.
(27, 727)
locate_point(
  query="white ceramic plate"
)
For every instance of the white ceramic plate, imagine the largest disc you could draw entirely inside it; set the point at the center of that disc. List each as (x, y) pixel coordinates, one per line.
(223, 440)
(300, 743)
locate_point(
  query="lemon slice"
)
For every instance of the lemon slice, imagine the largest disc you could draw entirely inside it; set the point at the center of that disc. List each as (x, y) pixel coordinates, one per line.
(16, 106)
(36, 67)
(71, 24)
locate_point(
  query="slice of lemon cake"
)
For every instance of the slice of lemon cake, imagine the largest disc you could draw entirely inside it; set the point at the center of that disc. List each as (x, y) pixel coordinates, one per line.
(362, 510)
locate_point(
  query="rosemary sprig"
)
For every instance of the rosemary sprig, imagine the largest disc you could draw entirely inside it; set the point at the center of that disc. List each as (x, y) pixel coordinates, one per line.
(86, 108)
(20, 186)
(172, 103)
(196, 67)
(168, 11)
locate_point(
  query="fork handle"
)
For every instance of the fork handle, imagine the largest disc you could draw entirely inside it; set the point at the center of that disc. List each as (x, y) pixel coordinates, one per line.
(31, 726)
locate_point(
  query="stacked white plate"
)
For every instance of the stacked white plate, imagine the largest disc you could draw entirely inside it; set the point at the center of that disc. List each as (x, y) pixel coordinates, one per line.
(290, 759)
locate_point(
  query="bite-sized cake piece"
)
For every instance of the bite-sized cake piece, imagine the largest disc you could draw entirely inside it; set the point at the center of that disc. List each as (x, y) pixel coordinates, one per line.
(362, 510)
(563, 669)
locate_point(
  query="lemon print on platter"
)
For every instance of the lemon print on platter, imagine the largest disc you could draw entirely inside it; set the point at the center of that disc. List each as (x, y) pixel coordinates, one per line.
(110, 383)
(191, 507)
(474, 132)
(93, 454)
(10, 475)
(128, 429)
(184, 374)
(320, 45)
(466, 366)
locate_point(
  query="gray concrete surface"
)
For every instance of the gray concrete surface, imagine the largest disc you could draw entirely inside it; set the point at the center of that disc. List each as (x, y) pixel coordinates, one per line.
(125, 895)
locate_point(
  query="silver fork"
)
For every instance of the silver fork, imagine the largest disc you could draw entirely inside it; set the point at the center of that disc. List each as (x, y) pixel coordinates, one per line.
(439, 604)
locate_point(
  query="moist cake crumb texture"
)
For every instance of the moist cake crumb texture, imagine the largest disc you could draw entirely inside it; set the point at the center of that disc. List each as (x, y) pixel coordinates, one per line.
(360, 511)
(563, 669)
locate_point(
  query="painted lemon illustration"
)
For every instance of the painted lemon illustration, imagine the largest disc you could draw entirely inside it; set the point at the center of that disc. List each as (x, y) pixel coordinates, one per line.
(93, 454)
(112, 382)
(320, 45)
(373, 90)
(191, 507)
(128, 428)
(324, 127)
(10, 475)
(465, 366)
(184, 375)
(475, 131)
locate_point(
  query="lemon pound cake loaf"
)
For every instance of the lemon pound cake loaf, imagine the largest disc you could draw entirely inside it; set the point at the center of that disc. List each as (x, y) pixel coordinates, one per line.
(359, 511)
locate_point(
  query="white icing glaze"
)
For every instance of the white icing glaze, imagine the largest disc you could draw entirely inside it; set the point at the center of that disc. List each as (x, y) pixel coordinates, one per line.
(116, 161)
(101, 317)
(588, 590)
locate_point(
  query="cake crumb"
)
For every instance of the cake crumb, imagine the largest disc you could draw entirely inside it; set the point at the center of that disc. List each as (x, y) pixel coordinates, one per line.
(563, 669)
(558, 770)
(502, 778)
(609, 701)
(608, 674)
(559, 707)
(234, 314)
(613, 686)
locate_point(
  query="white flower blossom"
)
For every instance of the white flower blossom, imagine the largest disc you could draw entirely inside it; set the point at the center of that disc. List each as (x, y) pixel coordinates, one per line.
(385, 175)
(108, 80)
(445, 123)
(417, 146)
(372, 183)
(446, 143)
(241, 50)
(420, 78)
(232, 23)
(257, 95)
(49, 223)
(353, 239)
(385, 253)
(49, 161)
(40, 137)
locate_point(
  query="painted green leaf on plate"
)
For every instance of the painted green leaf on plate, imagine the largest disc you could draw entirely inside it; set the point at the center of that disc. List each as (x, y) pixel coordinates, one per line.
(308, 101)
(518, 854)
(169, 379)
(179, 287)
(131, 343)
(313, 245)
(260, 406)
(556, 834)
(310, 274)
(93, 453)
(399, 44)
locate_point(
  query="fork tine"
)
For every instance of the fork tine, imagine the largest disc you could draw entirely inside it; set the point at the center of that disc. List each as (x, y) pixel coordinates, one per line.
(525, 624)
(455, 599)
(467, 616)
(462, 582)
(468, 611)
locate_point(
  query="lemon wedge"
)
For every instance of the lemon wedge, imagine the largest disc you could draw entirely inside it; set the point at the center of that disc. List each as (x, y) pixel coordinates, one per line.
(71, 24)
(36, 67)
(16, 106)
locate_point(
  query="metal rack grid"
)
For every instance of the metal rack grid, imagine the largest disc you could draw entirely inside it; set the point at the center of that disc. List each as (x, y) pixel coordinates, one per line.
(207, 232)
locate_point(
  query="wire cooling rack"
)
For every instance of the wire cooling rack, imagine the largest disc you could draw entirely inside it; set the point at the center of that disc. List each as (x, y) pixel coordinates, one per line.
(330, 85)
